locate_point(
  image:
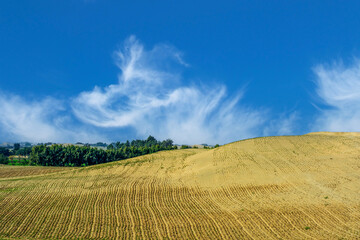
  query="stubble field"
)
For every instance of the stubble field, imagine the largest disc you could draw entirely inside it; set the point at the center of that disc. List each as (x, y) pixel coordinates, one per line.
(292, 187)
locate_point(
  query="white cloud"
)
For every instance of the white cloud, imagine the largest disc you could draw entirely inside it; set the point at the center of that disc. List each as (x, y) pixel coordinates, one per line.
(338, 87)
(149, 98)
(37, 121)
(285, 124)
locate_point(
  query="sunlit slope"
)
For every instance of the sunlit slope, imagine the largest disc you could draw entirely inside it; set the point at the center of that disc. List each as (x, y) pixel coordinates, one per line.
(293, 187)
(329, 163)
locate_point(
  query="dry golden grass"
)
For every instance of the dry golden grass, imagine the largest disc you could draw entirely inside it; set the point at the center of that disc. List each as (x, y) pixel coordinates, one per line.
(294, 187)
(8, 171)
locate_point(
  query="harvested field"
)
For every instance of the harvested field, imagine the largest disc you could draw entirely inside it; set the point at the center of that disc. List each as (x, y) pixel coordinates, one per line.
(8, 171)
(293, 187)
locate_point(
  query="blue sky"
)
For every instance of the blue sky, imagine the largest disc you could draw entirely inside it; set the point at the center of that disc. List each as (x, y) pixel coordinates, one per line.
(193, 71)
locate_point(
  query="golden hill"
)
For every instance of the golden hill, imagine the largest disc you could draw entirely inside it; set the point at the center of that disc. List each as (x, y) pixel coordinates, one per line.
(291, 187)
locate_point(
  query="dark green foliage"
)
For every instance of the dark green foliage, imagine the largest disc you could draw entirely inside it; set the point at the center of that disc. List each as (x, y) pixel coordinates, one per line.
(185, 147)
(18, 160)
(15, 160)
(101, 144)
(25, 151)
(60, 155)
(110, 147)
(4, 151)
(3, 159)
(16, 146)
(216, 146)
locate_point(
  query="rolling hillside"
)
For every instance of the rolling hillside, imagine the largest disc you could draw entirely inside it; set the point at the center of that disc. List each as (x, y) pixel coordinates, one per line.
(291, 187)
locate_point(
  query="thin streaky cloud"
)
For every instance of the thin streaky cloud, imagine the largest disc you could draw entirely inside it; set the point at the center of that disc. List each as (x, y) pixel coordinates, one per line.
(149, 99)
(40, 121)
(338, 88)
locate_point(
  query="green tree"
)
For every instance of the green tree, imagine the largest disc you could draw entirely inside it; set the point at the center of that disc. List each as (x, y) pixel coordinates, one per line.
(16, 146)
(4, 159)
(60, 155)
(4, 151)
(184, 146)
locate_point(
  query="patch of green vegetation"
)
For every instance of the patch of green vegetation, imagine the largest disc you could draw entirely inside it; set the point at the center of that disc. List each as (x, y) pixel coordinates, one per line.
(184, 147)
(135, 162)
(12, 179)
(5, 236)
(18, 161)
(307, 228)
(8, 190)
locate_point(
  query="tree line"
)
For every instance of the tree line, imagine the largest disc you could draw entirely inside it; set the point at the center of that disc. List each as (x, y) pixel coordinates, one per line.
(71, 155)
(8, 157)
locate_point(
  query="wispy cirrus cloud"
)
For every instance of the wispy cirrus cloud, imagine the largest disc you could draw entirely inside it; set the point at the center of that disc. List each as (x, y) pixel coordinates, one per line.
(39, 121)
(150, 97)
(30, 120)
(338, 88)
